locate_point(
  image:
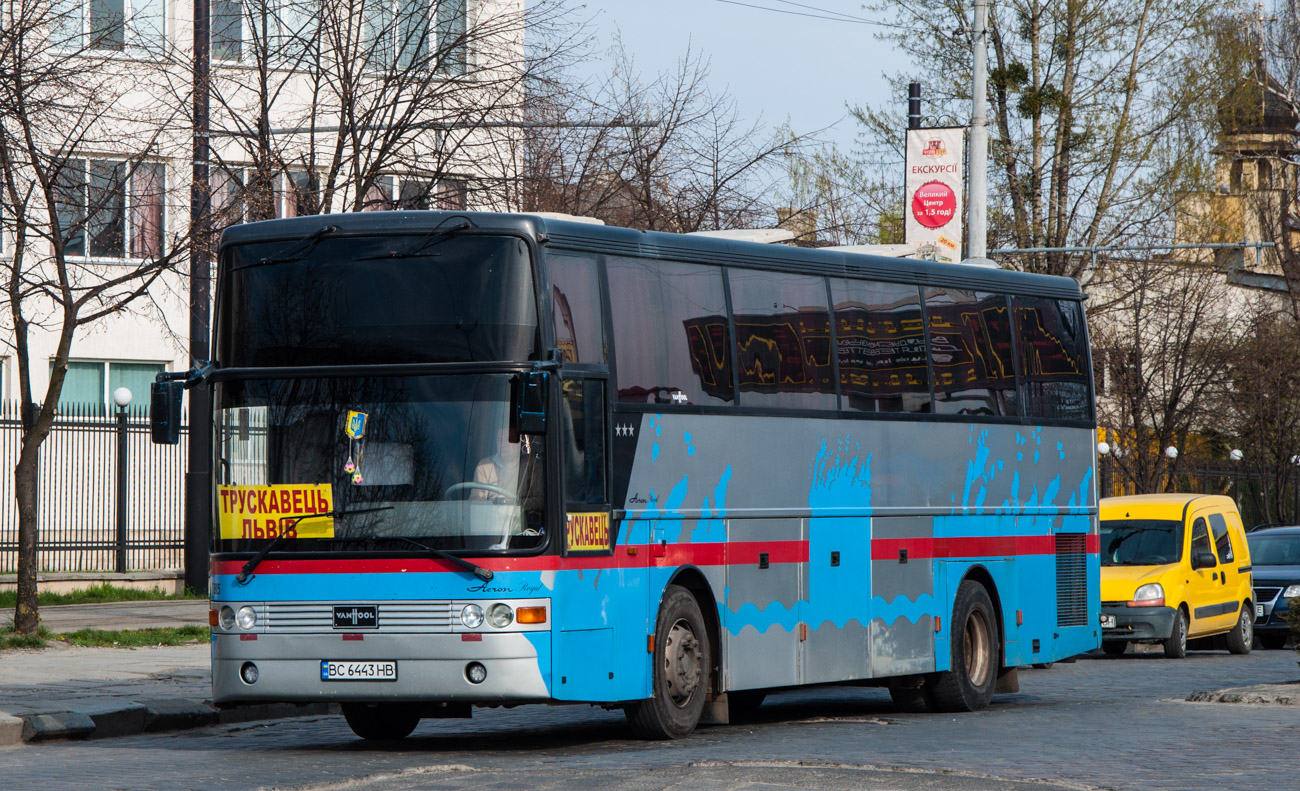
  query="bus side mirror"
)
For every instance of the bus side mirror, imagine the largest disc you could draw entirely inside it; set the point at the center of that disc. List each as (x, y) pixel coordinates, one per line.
(165, 412)
(530, 402)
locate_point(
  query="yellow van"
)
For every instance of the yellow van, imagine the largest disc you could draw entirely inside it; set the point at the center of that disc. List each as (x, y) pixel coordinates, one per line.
(1174, 567)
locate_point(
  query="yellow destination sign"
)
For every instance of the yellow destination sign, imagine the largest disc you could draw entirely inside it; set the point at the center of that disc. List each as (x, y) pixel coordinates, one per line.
(262, 511)
(588, 532)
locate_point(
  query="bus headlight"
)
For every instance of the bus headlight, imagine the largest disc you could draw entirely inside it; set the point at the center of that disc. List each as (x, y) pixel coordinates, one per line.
(472, 616)
(246, 617)
(226, 618)
(500, 615)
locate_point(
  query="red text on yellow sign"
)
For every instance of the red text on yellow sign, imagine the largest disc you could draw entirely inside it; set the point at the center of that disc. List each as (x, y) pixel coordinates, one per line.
(588, 532)
(263, 511)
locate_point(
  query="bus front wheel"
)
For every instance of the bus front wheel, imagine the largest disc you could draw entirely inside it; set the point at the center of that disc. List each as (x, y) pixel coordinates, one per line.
(680, 673)
(968, 683)
(382, 721)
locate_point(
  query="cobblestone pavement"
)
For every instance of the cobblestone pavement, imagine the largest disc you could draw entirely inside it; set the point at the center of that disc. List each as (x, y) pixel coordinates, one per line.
(1101, 722)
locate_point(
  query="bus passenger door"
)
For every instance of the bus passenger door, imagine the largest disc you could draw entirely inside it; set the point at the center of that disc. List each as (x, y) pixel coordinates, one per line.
(586, 597)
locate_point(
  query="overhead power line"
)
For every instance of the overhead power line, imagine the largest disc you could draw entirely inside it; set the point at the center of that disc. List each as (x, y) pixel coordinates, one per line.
(823, 13)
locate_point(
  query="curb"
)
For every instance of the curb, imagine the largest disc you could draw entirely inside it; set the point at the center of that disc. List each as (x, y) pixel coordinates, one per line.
(1260, 694)
(145, 715)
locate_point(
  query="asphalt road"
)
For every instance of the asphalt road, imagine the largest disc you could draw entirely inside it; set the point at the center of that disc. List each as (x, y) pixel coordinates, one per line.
(1098, 723)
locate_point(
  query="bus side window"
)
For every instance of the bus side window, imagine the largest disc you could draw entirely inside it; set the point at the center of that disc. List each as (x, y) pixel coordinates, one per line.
(970, 351)
(576, 313)
(1053, 356)
(584, 441)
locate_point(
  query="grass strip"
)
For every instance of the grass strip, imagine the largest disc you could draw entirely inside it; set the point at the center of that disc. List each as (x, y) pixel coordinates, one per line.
(10, 639)
(136, 638)
(95, 594)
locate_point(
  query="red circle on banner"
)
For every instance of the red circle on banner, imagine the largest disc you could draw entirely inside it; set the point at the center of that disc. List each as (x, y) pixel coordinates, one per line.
(934, 204)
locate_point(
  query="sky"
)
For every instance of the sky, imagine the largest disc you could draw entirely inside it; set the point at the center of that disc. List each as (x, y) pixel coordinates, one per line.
(777, 66)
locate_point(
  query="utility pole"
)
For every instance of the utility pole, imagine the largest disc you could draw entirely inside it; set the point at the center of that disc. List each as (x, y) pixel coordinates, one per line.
(198, 491)
(978, 225)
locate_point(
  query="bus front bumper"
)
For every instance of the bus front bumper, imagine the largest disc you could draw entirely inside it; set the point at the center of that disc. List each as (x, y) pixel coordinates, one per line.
(427, 668)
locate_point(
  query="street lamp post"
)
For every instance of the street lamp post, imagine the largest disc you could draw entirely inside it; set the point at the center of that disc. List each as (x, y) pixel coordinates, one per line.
(1235, 456)
(121, 397)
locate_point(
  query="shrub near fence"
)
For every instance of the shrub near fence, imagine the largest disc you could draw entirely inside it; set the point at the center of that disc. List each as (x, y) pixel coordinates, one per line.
(78, 493)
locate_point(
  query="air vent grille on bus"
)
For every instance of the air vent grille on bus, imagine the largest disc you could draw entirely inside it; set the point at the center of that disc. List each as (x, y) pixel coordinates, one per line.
(1071, 579)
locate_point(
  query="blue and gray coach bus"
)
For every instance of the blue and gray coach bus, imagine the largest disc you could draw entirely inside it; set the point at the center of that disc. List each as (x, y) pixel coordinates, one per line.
(473, 459)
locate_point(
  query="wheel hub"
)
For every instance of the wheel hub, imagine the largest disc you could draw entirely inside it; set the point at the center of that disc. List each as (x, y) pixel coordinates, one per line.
(683, 661)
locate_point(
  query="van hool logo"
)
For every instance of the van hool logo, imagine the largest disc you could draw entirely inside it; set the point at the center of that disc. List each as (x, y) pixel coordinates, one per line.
(354, 617)
(934, 148)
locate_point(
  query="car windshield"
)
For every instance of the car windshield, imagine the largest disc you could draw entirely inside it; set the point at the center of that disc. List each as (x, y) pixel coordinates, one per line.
(1141, 542)
(395, 460)
(1266, 550)
(357, 300)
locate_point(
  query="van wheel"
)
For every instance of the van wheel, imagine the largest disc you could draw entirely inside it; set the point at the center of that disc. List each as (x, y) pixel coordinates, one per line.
(1176, 644)
(382, 721)
(1242, 635)
(968, 685)
(680, 677)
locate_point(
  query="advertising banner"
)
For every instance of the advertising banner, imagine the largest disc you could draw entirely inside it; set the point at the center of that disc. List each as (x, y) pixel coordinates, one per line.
(934, 209)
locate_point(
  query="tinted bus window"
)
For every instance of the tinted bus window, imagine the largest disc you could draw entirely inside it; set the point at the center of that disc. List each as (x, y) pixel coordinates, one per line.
(970, 349)
(575, 308)
(1053, 352)
(881, 345)
(783, 339)
(672, 341)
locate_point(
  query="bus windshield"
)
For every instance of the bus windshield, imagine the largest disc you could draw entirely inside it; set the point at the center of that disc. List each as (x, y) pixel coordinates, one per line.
(1141, 542)
(355, 300)
(417, 460)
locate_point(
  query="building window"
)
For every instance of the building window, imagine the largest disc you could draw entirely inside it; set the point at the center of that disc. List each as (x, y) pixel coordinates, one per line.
(89, 385)
(111, 209)
(227, 25)
(452, 42)
(398, 32)
(108, 24)
(394, 192)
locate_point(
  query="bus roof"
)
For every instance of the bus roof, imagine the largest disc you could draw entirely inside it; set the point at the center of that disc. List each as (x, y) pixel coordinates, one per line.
(570, 235)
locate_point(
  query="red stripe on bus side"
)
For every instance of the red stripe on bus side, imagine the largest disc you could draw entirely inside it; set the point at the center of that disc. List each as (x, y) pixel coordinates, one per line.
(741, 553)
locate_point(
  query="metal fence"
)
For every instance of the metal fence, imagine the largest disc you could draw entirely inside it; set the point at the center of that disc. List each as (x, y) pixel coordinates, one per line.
(79, 485)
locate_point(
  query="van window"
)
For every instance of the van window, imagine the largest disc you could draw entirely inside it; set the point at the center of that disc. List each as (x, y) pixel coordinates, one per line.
(1200, 537)
(1222, 544)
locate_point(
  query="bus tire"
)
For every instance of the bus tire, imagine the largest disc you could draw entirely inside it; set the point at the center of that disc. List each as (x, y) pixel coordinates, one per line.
(968, 684)
(1242, 636)
(679, 677)
(382, 721)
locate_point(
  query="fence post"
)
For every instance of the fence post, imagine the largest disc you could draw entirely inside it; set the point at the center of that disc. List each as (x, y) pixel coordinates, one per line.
(121, 397)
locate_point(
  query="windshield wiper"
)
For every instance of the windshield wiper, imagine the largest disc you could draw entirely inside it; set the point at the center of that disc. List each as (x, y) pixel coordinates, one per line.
(435, 236)
(271, 546)
(469, 565)
(305, 246)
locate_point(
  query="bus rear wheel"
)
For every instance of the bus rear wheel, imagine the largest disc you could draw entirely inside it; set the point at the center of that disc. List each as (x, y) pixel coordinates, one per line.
(680, 675)
(382, 721)
(968, 684)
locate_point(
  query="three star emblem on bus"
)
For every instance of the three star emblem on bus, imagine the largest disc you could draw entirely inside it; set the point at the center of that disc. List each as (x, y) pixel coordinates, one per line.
(624, 430)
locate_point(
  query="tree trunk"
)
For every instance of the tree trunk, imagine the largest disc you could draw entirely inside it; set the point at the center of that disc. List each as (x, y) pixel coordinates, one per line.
(27, 618)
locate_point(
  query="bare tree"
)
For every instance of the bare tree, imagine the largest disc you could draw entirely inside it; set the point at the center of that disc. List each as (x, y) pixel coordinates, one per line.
(660, 154)
(1100, 112)
(67, 98)
(369, 104)
(1164, 341)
